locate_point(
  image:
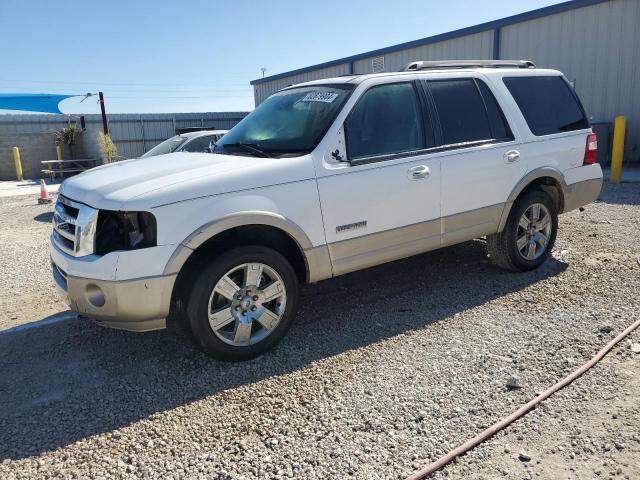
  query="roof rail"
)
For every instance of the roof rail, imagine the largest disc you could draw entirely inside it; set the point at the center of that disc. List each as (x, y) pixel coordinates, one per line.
(443, 64)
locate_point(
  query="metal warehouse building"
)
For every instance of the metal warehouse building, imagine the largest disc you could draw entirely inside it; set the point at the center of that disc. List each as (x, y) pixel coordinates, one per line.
(596, 43)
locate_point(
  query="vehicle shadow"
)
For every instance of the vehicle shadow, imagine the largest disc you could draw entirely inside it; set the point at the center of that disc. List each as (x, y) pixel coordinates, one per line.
(620, 194)
(67, 381)
(45, 217)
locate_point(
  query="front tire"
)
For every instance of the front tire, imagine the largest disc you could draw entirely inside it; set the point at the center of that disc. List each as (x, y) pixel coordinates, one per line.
(243, 303)
(529, 234)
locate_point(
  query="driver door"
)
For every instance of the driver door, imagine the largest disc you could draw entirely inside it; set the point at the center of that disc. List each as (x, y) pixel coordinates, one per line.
(383, 202)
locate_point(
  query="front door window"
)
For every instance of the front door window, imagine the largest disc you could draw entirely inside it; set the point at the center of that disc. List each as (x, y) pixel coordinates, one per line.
(386, 120)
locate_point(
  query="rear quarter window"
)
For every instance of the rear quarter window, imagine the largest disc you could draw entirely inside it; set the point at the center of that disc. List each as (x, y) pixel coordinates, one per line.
(549, 104)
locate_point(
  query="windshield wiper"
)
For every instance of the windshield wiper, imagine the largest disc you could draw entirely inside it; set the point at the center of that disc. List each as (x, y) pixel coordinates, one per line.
(249, 147)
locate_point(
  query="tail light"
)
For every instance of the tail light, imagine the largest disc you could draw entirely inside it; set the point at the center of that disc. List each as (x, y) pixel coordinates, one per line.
(591, 150)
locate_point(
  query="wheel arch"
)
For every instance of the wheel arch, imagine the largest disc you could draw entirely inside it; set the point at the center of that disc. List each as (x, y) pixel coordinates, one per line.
(547, 179)
(258, 228)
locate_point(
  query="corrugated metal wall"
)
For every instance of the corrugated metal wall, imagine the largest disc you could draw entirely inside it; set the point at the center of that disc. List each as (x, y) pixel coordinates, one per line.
(598, 47)
(23, 124)
(474, 46)
(133, 134)
(263, 90)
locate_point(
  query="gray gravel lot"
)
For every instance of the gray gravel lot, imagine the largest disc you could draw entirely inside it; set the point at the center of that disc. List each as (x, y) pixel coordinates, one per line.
(27, 292)
(383, 371)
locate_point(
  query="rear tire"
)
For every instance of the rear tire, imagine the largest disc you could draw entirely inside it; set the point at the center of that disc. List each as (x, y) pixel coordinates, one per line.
(529, 234)
(243, 302)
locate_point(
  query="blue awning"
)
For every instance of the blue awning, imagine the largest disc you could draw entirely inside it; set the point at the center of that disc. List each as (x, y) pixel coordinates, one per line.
(32, 102)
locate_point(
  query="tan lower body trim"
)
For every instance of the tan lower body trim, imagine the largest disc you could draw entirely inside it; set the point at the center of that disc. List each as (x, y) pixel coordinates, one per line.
(376, 248)
(505, 215)
(581, 193)
(575, 196)
(138, 305)
(137, 326)
(318, 264)
(472, 224)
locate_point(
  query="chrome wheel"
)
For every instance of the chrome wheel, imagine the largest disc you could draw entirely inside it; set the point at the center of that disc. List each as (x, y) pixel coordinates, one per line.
(534, 231)
(247, 304)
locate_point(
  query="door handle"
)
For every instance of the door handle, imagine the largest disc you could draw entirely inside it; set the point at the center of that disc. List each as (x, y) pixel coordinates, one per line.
(418, 172)
(512, 156)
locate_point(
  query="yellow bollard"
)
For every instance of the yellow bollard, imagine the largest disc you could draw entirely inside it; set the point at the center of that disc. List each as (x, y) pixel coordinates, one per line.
(619, 127)
(58, 152)
(18, 163)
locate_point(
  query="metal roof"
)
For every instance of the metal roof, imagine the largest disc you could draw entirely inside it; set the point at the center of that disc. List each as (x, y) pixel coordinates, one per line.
(482, 27)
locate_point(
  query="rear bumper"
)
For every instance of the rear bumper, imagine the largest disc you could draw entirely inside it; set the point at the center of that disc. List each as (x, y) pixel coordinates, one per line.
(138, 305)
(581, 193)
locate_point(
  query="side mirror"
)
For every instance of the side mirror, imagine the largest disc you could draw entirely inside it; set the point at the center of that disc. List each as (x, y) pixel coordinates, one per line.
(337, 155)
(337, 152)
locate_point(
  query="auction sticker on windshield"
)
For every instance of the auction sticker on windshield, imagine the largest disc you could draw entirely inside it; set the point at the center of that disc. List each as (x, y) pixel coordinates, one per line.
(326, 97)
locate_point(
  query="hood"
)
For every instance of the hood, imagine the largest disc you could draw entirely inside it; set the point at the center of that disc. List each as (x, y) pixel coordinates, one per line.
(143, 183)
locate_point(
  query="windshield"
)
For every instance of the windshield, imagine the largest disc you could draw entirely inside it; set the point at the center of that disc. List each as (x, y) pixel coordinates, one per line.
(290, 121)
(168, 146)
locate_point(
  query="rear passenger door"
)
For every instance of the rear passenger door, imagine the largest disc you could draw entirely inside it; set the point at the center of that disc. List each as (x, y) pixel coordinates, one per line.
(480, 161)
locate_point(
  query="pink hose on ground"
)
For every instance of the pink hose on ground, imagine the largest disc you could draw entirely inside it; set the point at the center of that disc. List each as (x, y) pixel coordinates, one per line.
(496, 427)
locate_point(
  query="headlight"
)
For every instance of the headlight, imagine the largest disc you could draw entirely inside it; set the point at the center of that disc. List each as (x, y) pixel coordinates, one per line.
(124, 231)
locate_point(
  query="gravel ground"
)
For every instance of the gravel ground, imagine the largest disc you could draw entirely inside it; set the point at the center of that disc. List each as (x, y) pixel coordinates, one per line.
(382, 372)
(588, 430)
(27, 290)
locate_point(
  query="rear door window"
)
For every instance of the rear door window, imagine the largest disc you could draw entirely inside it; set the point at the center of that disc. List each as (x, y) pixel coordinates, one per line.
(499, 127)
(468, 112)
(548, 104)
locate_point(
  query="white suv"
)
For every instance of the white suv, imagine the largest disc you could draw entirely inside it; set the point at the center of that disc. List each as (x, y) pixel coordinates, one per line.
(321, 179)
(199, 141)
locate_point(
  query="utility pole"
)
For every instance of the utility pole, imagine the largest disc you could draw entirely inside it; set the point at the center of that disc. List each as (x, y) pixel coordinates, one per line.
(105, 128)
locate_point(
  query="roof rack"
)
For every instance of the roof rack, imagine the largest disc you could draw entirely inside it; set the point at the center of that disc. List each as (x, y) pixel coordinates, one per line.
(444, 64)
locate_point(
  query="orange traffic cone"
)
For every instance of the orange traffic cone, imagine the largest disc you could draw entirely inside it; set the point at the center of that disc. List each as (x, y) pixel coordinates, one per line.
(44, 195)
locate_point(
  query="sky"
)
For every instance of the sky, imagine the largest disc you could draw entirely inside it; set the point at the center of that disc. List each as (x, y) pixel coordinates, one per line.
(199, 56)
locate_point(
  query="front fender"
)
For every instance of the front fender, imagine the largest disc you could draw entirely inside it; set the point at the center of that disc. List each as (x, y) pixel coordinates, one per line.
(294, 209)
(317, 259)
